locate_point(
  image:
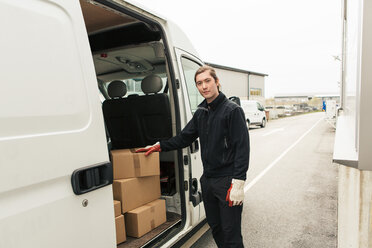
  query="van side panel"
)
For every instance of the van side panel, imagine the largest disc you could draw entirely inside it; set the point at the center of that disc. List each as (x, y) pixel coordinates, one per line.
(50, 125)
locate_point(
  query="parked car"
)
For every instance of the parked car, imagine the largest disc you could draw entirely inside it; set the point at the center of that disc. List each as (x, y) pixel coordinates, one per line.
(273, 113)
(280, 111)
(254, 112)
(288, 111)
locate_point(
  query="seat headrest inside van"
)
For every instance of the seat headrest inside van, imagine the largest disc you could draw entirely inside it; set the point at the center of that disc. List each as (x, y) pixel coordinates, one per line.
(117, 89)
(151, 84)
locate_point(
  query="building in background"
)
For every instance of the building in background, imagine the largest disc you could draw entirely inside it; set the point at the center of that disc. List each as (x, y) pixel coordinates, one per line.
(291, 99)
(327, 97)
(247, 85)
(301, 99)
(287, 105)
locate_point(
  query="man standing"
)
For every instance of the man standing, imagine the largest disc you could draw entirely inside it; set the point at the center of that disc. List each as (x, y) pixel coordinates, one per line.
(221, 126)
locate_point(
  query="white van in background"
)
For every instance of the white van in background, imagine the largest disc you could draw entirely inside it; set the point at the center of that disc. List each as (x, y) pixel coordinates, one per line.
(254, 112)
(58, 59)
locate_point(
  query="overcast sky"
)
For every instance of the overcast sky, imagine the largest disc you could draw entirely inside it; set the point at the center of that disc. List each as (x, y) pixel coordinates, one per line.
(293, 41)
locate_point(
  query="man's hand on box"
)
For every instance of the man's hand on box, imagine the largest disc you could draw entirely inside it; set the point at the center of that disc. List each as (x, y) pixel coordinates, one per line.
(150, 149)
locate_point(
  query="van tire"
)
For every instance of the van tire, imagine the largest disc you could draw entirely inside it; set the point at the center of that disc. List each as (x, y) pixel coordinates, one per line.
(263, 123)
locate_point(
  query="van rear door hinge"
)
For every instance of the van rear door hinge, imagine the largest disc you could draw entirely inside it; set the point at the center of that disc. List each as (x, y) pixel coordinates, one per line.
(177, 83)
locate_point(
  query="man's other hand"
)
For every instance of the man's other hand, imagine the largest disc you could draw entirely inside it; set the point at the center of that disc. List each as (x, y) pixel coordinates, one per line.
(150, 149)
(235, 194)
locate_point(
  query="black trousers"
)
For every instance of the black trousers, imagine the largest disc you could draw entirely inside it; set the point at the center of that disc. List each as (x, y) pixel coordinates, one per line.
(224, 221)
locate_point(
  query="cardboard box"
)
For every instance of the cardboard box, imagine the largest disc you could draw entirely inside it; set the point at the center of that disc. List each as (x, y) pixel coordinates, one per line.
(135, 192)
(117, 208)
(120, 229)
(127, 164)
(142, 220)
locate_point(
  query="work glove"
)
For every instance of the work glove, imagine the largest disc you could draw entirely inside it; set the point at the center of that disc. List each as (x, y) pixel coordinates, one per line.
(150, 149)
(235, 194)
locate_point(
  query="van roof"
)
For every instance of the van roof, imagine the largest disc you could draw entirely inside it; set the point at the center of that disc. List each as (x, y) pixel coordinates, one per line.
(143, 7)
(178, 37)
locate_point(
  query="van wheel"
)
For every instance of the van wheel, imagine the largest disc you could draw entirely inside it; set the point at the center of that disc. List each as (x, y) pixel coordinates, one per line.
(263, 123)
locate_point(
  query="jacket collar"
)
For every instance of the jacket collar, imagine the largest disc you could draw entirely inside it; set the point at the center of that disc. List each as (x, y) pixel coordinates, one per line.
(215, 103)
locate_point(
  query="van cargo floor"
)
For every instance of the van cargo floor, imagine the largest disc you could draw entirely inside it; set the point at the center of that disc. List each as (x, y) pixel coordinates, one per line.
(131, 242)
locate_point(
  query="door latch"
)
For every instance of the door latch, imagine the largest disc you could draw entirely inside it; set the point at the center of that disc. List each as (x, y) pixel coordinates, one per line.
(195, 194)
(90, 178)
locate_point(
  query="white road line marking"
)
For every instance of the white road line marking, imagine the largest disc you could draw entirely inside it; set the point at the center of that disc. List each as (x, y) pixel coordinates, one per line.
(257, 178)
(273, 131)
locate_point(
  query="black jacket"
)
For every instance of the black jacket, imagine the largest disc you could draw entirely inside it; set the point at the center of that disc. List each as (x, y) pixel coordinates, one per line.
(224, 139)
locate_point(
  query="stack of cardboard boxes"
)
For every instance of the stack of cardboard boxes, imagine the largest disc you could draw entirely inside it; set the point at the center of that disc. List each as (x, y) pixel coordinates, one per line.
(137, 187)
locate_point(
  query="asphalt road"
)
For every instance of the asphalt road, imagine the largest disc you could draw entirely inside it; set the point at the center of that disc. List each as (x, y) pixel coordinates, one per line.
(291, 188)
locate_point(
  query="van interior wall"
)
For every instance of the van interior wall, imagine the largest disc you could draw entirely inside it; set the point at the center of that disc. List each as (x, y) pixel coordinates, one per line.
(126, 49)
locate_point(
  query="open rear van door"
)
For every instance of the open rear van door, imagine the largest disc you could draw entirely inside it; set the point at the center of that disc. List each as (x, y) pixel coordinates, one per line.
(51, 126)
(187, 65)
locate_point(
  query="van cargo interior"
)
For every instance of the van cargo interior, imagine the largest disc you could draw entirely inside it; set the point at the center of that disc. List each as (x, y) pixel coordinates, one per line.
(131, 52)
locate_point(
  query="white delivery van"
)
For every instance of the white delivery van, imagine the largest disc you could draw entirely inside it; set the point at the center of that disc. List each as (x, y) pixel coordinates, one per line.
(59, 58)
(254, 112)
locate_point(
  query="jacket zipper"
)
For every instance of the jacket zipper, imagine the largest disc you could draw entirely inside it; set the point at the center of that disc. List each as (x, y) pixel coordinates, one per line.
(206, 152)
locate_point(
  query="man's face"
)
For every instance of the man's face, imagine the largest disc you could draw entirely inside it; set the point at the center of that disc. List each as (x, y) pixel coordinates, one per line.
(207, 86)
